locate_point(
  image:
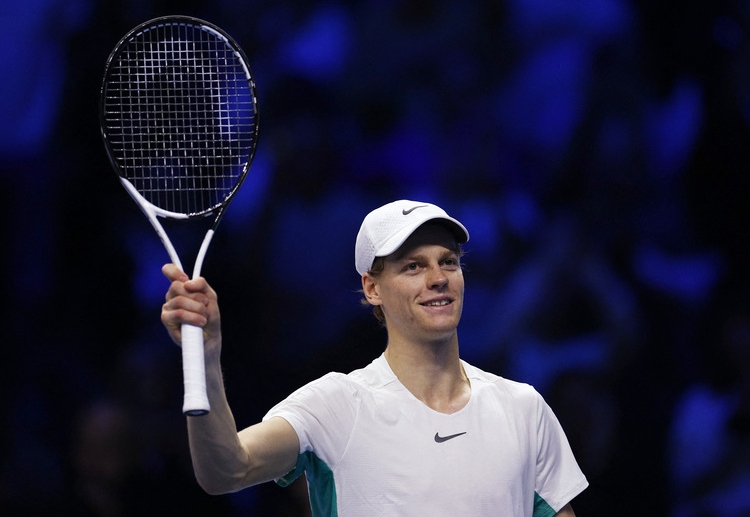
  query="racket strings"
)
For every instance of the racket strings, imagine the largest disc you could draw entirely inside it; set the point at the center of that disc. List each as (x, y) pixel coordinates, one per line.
(180, 115)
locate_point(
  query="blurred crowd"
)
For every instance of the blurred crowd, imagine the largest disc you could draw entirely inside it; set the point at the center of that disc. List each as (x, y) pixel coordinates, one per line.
(597, 150)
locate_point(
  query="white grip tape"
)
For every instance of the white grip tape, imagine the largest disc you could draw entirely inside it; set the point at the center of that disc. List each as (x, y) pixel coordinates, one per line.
(194, 371)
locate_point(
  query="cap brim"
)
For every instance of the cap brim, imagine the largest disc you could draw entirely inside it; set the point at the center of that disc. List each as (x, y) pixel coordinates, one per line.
(394, 243)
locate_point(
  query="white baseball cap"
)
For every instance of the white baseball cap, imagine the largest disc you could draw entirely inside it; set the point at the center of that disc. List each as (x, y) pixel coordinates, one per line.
(386, 228)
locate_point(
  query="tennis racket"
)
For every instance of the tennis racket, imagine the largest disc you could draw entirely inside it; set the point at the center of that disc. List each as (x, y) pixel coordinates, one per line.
(179, 119)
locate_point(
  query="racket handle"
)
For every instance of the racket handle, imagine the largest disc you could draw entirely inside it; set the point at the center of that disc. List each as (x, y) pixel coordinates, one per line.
(194, 372)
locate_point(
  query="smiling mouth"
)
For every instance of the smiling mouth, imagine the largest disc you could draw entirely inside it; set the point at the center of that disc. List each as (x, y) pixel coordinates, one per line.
(436, 303)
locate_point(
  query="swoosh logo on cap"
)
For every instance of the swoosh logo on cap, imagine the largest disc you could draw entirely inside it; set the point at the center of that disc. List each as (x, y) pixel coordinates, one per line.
(441, 439)
(407, 212)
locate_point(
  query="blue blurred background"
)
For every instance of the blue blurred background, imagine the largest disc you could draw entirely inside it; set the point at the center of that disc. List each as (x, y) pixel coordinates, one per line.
(596, 149)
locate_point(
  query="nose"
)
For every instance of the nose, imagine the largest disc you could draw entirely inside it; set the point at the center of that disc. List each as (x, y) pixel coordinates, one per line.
(436, 278)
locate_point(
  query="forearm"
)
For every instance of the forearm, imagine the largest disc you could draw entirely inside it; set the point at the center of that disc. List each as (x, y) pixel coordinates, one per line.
(223, 459)
(219, 460)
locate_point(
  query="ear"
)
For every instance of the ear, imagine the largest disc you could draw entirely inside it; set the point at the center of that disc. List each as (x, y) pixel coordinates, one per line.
(371, 289)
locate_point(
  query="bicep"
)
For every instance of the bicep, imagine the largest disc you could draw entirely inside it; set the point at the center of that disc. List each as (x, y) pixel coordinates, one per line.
(272, 447)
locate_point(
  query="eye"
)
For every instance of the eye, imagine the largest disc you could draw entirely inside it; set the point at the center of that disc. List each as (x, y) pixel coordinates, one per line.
(411, 266)
(452, 263)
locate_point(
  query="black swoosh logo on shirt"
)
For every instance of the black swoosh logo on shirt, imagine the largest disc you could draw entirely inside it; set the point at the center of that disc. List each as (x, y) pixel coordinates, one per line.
(441, 439)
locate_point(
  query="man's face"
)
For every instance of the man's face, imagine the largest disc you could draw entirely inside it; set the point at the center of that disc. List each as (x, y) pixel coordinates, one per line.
(421, 287)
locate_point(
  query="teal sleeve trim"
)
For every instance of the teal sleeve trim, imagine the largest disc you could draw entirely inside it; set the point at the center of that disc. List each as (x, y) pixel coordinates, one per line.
(320, 483)
(291, 476)
(541, 508)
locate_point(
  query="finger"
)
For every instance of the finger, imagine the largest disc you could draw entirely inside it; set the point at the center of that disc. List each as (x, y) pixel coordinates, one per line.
(191, 302)
(197, 285)
(173, 273)
(174, 315)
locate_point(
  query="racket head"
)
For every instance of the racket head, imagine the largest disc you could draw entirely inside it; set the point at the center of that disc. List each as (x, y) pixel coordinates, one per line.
(179, 116)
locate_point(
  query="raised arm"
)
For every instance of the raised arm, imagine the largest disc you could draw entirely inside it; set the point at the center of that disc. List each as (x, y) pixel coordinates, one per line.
(223, 459)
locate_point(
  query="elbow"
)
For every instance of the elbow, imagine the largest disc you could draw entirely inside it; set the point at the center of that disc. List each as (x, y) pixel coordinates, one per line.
(214, 486)
(212, 489)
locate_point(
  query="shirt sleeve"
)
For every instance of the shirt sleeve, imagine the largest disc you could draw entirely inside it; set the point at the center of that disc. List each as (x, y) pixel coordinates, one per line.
(322, 413)
(558, 477)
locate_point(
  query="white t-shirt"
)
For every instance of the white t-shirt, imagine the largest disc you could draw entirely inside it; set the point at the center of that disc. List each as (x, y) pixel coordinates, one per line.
(370, 448)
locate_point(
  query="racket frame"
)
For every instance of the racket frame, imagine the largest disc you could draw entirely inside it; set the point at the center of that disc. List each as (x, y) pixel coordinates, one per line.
(196, 401)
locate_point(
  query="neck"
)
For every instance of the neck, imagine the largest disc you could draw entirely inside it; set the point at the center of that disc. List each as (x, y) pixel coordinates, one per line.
(431, 372)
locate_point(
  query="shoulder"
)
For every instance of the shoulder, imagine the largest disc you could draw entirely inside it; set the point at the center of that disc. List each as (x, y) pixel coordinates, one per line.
(337, 384)
(504, 396)
(323, 387)
(375, 375)
(483, 379)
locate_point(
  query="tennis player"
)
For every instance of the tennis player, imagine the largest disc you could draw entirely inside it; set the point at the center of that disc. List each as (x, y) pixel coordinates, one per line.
(418, 431)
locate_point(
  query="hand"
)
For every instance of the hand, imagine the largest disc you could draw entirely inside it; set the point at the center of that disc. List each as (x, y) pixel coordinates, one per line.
(193, 302)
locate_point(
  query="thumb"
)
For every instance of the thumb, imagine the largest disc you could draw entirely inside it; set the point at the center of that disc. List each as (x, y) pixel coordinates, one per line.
(173, 273)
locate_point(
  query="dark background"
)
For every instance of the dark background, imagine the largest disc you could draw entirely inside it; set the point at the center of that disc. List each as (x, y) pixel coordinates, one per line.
(597, 150)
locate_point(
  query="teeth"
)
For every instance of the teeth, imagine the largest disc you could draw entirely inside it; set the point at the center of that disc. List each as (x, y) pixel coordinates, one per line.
(437, 303)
